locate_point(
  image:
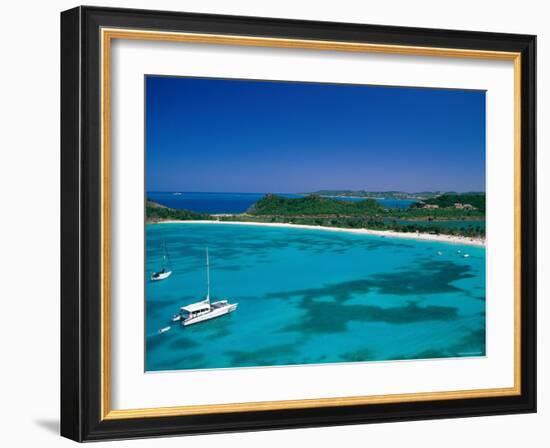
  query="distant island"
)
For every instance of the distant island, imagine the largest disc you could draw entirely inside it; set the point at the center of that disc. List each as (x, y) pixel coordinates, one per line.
(431, 215)
(421, 195)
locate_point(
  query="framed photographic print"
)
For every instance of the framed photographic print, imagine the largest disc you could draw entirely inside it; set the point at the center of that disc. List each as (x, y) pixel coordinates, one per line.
(275, 224)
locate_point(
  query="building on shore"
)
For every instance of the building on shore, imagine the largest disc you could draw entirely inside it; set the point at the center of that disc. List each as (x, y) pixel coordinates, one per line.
(461, 206)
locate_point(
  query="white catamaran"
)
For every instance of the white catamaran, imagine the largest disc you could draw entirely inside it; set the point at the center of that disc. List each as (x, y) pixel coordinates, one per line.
(166, 271)
(205, 309)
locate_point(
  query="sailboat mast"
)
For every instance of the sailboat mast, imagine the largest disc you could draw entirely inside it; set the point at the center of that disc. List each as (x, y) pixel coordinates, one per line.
(207, 275)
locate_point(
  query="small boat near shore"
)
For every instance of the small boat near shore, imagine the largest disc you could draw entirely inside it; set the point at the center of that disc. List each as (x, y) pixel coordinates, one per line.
(204, 309)
(160, 275)
(166, 270)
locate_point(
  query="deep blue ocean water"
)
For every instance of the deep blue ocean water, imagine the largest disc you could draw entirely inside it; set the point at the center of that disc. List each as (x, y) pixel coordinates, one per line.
(235, 202)
(309, 296)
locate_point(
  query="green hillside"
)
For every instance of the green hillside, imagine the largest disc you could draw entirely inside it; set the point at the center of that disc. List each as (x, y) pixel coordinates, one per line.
(448, 200)
(313, 205)
(368, 213)
(155, 212)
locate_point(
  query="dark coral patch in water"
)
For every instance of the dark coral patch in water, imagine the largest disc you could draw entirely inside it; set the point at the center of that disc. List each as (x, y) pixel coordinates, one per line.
(216, 328)
(430, 278)
(364, 354)
(182, 343)
(472, 344)
(230, 267)
(334, 317)
(193, 361)
(263, 356)
(425, 354)
(155, 341)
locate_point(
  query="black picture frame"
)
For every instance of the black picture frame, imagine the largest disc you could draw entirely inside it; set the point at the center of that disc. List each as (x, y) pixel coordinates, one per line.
(81, 224)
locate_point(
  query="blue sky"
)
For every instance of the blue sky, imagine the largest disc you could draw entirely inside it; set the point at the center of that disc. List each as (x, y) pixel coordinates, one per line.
(265, 136)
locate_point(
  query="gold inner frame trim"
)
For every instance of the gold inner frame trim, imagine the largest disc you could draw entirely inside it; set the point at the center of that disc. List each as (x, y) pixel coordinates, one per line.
(107, 35)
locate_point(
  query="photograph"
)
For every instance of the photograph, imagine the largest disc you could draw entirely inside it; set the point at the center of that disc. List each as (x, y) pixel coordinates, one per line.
(285, 221)
(293, 223)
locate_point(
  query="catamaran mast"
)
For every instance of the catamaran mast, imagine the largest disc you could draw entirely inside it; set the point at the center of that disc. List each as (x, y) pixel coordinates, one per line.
(165, 260)
(207, 275)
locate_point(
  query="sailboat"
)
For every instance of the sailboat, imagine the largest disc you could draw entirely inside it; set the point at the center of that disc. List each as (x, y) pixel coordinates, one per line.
(165, 272)
(205, 309)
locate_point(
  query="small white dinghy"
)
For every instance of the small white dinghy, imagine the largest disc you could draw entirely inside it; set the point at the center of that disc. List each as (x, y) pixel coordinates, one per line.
(161, 275)
(205, 309)
(165, 272)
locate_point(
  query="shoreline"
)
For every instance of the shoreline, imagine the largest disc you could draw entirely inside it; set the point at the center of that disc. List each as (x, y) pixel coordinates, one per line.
(452, 239)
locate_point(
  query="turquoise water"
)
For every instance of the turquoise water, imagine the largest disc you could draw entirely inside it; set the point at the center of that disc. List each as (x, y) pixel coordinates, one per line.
(311, 296)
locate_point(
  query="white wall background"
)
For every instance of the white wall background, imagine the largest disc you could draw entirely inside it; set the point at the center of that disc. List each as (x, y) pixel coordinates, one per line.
(29, 235)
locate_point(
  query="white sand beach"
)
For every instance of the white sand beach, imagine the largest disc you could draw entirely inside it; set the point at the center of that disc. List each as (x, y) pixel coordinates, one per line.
(453, 239)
